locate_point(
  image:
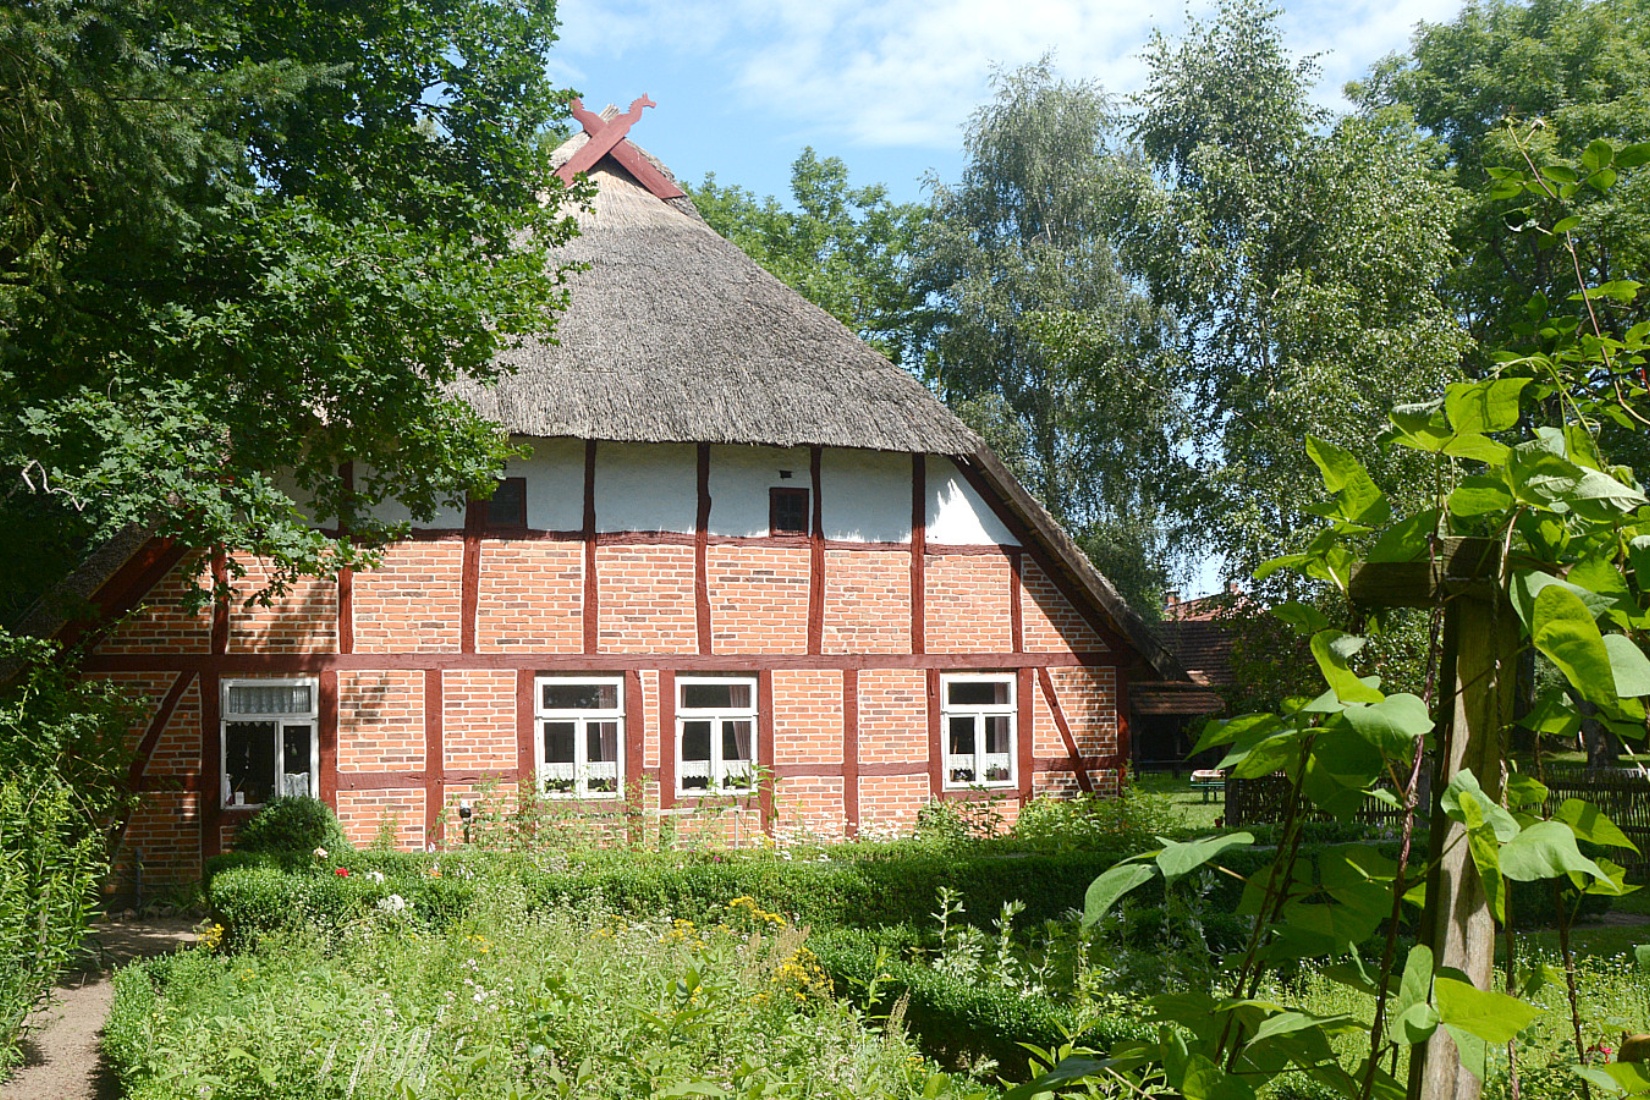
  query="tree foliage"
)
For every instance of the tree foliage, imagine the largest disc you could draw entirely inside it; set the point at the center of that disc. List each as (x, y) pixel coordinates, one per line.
(1521, 471)
(1580, 67)
(1040, 341)
(844, 248)
(244, 244)
(1298, 255)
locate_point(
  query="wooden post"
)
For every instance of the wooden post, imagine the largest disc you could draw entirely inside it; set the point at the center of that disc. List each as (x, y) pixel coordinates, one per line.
(1481, 643)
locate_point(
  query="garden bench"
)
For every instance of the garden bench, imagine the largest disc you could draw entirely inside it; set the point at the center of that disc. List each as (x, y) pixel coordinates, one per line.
(1209, 781)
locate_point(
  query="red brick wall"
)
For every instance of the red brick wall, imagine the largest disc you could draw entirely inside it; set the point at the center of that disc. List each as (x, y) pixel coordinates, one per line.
(479, 722)
(411, 603)
(645, 602)
(893, 718)
(531, 597)
(530, 601)
(808, 808)
(364, 813)
(758, 599)
(888, 804)
(381, 721)
(1088, 696)
(867, 601)
(305, 620)
(159, 624)
(807, 717)
(967, 603)
(1052, 625)
(165, 833)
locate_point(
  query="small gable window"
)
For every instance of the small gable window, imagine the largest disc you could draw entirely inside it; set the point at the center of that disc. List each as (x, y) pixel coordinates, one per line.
(787, 511)
(508, 506)
(979, 719)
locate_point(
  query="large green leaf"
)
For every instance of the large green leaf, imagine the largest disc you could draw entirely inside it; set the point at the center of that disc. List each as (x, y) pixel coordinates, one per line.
(1545, 850)
(1563, 629)
(1591, 824)
(1393, 725)
(1488, 406)
(1628, 665)
(1359, 500)
(1112, 884)
(1491, 1016)
(1415, 1018)
(1463, 788)
(1182, 858)
(1203, 1080)
(1527, 584)
(1406, 540)
(1480, 496)
(1618, 1078)
(1332, 650)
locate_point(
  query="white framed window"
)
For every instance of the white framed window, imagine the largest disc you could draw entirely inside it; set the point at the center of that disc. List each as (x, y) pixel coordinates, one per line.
(715, 734)
(580, 748)
(978, 717)
(270, 747)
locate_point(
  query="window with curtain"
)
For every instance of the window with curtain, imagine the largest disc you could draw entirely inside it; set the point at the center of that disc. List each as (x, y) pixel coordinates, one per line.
(270, 748)
(581, 750)
(978, 716)
(715, 735)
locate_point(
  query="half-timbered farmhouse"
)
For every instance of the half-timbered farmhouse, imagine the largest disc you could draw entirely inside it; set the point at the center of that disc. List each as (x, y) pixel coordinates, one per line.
(749, 563)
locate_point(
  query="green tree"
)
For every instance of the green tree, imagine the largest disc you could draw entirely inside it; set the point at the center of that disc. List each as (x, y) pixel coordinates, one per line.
(846, 249)
(243, 244)
(1580, 67)
(1039, 341)
(1299, 256)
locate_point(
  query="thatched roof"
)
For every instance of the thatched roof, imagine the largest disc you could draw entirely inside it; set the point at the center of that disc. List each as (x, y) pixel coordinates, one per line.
(675, 335)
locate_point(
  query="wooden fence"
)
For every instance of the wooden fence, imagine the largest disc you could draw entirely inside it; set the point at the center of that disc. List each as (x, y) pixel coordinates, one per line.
(1623, 794)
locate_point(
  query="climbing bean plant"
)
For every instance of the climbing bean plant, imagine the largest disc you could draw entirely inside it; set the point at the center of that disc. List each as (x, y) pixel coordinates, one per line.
(1520, 461)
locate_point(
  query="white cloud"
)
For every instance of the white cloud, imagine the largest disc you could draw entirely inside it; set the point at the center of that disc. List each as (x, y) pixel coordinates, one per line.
(883, 74)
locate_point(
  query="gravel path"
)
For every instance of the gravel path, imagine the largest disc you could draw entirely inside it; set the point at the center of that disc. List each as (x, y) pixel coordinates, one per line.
(61, 1059)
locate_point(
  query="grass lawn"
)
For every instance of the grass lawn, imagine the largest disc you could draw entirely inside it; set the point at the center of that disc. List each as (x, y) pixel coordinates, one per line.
(1198, 810)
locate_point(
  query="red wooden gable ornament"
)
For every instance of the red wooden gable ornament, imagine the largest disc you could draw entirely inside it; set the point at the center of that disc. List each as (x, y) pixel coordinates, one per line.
(607, 139)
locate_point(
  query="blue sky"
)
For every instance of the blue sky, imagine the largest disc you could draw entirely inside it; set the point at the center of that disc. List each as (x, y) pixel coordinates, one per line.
(743, 85)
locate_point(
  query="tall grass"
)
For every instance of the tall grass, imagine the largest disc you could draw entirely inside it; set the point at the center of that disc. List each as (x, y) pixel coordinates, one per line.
(511, 1003)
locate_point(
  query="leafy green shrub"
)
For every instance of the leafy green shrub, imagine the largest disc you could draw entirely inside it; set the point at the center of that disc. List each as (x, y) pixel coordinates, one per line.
(49, 870)
(1130, 820)
(293, 827)
(957, 1021)
(866, 888)
(513, 1001)
(62, 786)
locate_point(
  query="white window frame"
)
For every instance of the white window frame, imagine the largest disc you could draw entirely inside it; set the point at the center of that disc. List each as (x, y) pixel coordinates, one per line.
(718, 778)
(979, 760)
(581, 719)
(282, 721)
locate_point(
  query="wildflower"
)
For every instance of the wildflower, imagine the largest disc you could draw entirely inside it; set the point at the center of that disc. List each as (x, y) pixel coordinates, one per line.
(376, 876)
(342, 872)
(320, 853)
(395, 903)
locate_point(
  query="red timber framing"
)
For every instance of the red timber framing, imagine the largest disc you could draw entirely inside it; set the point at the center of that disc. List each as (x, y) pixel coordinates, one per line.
(919, 553)
(850, 751)
(1031, 669)
(591, 610)
(346, 579)
(701, 553)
